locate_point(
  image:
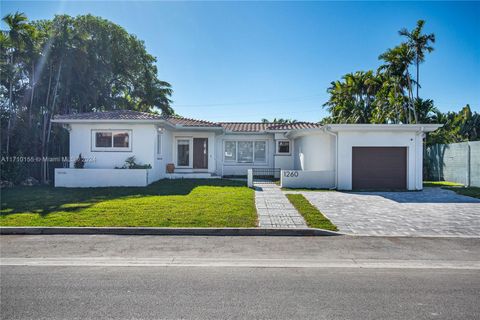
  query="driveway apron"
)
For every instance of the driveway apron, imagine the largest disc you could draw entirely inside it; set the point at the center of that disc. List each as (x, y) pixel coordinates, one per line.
(431, 212)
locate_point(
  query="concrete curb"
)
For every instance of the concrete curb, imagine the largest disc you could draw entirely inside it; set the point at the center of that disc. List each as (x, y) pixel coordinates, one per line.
(168, 231)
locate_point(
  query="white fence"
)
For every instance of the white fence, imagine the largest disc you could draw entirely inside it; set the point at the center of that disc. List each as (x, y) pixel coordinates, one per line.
(307, 179)
(86, 178)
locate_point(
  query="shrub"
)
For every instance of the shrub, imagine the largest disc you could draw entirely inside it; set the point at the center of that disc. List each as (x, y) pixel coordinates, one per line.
(131, 164)
(15, 172)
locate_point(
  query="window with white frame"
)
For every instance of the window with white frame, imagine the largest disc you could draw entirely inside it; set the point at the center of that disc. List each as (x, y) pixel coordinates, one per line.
(111, 140)
(159, 143)
(245, 151)
(230, 151)
(183, 152)
(283, 147)
(260, 154)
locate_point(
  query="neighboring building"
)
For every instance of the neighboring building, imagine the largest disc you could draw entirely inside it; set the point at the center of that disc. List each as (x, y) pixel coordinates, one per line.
(343, 156)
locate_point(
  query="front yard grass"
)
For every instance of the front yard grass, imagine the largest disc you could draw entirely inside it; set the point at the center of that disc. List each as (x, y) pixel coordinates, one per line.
(166, 203)
(313, 217)
(441, 184)
(456, 187)
(467, 191)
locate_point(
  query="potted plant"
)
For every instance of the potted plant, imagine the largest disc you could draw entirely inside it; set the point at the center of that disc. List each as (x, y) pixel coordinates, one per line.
(170, 167)
(80, 162)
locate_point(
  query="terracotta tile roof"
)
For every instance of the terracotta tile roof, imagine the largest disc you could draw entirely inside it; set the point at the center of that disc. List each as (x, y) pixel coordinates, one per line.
(260, 126)
(245, 126)
(187, 122)
(295, 126)
(110, 115)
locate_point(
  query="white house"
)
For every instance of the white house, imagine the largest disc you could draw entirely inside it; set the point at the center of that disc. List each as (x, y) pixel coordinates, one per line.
(342, 156)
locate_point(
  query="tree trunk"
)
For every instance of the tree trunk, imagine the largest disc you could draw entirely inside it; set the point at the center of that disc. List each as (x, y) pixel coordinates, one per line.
(10, 106)
(418, 76)
(44, 129)
(410, 99)
(52, 112)
(32, 93)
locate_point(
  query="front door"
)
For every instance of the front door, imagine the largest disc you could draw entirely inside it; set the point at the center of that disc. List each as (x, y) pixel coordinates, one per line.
(200, 153)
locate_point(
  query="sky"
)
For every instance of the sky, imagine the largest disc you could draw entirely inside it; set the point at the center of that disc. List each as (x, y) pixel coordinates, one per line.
(244, 61)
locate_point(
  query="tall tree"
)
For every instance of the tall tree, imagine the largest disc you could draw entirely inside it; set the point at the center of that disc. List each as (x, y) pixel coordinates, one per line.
(18, 35)
(396, 66)
(69, 65)
(351, 98)
(420, 44)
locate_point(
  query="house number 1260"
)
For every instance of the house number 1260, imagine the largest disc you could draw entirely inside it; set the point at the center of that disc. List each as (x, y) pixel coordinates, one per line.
(290, 174)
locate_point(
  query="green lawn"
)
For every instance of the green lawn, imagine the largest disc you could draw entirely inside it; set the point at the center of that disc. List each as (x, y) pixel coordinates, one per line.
(166, 203)
(468, 191)
(313, 217)
(457, 187)
(441, 184)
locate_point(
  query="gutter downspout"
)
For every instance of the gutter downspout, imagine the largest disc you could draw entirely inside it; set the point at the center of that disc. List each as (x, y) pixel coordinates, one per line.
(327, 130)
(422, 132)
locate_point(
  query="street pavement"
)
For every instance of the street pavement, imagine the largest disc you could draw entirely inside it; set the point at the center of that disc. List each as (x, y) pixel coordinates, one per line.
(237, 293)
(156, 277)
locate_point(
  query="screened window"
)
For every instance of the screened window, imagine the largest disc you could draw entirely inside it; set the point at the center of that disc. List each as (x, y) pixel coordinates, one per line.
(159, 143)
(103, 140)
(283, 146)
(245, 151)
(260, 151)
(230, 150)
(111, 140)
(120, 140)
(183, 153)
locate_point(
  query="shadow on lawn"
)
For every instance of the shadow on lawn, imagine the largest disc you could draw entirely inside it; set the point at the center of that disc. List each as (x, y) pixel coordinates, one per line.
(44, 200)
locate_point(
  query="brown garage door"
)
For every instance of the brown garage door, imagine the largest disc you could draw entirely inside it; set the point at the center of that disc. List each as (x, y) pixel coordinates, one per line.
(379, 168)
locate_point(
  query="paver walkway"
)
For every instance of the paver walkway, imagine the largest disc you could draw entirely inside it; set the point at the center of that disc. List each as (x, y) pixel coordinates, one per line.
(274, 210)
(431, 212)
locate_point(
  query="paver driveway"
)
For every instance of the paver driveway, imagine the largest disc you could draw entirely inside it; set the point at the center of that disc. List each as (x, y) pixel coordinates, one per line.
(431, 212)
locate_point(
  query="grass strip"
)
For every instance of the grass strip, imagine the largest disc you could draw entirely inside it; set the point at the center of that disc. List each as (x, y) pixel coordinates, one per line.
(313, 217)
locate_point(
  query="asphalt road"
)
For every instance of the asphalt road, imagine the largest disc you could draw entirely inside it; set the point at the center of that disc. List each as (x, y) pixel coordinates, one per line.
(237, 293)
(151, 277)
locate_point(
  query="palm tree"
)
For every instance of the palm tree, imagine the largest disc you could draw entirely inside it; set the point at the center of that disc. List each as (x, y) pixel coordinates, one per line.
(426, 111)
(351, 99)
(279, 121)
(18, 35)
(420, 43)
(397, 61)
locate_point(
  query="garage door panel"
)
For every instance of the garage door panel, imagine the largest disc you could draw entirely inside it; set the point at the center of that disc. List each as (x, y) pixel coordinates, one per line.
(379, 168)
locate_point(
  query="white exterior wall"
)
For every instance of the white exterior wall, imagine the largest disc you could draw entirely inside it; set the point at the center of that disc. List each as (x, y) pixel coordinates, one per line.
(88, 178)
(143, 142)
(314, 152)
(162, 158)
(283, 161)
(411, 140)
(240, 169)
(307, 179)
